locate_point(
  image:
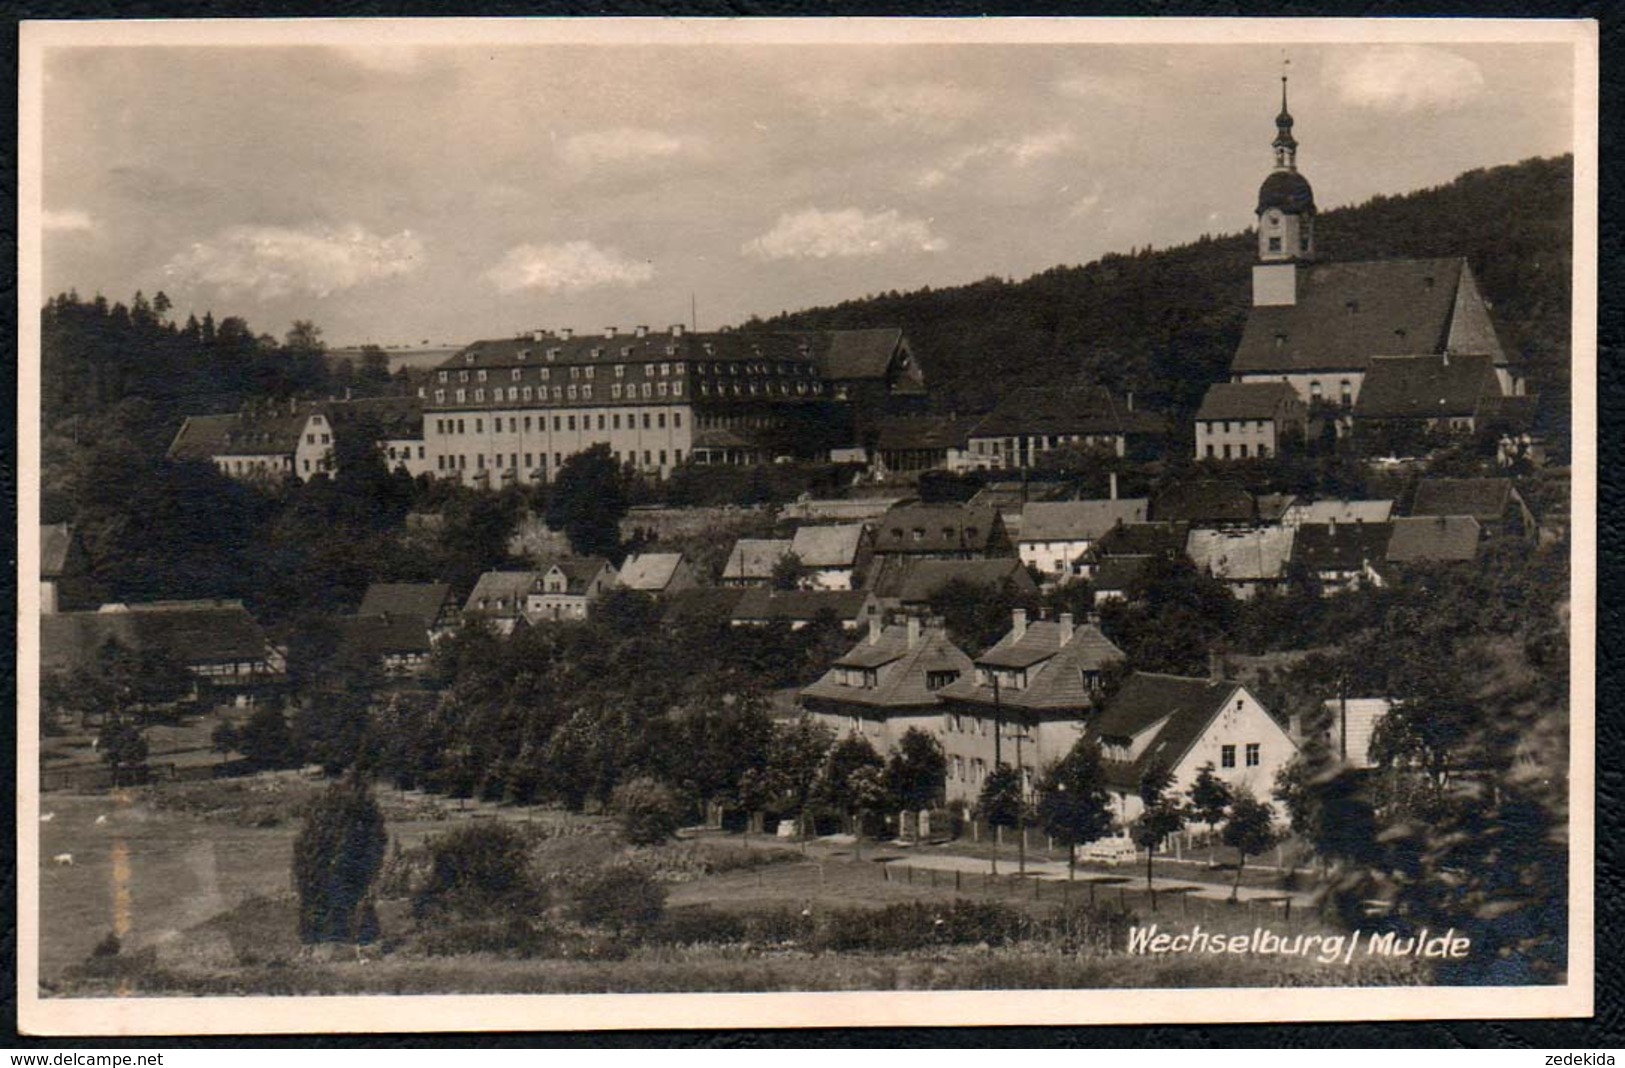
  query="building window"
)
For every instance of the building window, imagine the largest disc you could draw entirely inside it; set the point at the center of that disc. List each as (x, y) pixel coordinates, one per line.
(1275, 244)
(1252, 754)
(615, 421)
(480, 376)
(646, 420)
(936, 680)
(1227, 756)
(516, 373)
(570, 422)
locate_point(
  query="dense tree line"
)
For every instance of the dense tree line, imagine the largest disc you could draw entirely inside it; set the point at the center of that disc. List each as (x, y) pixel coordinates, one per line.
(1166, 322)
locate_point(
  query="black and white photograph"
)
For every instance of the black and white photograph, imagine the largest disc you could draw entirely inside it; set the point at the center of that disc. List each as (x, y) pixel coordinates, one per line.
(709, 523)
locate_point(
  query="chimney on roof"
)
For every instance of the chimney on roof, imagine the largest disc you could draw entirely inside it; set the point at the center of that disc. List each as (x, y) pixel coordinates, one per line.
(609, 331)
(538, 335)
(1065, 620)
(1018, 624)
(874, 630)
(913, 631)
(676, 329)
(640, 331)
(567, 332)
(1215, 667)
(1114, 485)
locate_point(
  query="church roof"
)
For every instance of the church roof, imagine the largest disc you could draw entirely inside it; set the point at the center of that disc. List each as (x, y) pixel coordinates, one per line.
(1346, 313)
(1288, 192)
(1425, 387)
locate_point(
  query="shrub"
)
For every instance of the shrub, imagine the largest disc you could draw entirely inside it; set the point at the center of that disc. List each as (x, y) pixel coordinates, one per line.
(622, 899)
(697, 925)
(648, 810)
(917, 925)
(514, 936)
(336, 858)
(780, 926)
(478, 871)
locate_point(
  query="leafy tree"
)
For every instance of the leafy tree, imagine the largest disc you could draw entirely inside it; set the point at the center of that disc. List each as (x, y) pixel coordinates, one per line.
(336, 859)
(795, 759)
(839, 784)
(1160, 816)
(589, 501)
(123, 747)
(374, 365)
(478, 871)
(1073, 802)
(1250, 831)
(788, 572)
(865, 792)
(265, 740)
(648, 811)
(975, 616)
(917, 773)
(1210, 797)
(1001, 804)
(1292, 789)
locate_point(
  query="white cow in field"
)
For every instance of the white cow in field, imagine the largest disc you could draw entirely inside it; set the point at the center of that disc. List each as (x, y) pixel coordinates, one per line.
(63, 860)
(48, 817)
(101, 819)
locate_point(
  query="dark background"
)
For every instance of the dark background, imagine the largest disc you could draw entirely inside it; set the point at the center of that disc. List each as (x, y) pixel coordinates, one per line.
(1602, 1031)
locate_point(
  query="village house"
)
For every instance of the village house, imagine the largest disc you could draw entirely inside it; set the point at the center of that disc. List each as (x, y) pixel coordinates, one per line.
(219, 642)
(270, 442)
(1115, 576)
(1246, 561)
(1249, 420)
(660, 574)
(432, 602)
(1339, 511)
(1055, 533)
(1132, 541)
(888, 683)
(567, 588)
(759, 606)
(1026, 702)
(1183, 724)
(752, 561)
(833, 557)
(498, 600)
(63, 568)
(398, 644)
(1439, 539)
(917, 443)
(1341, 556)
(1319, 327)
(942, 532)
(1408, 398)
(1214, 503)
(1494, 502)
(1348, 727)
(1034, 420)
(909, 584)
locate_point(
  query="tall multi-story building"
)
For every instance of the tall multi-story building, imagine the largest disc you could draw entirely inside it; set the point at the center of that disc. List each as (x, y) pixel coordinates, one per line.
(515, 409)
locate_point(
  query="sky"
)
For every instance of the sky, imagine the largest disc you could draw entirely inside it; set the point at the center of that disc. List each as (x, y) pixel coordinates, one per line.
(398, 195)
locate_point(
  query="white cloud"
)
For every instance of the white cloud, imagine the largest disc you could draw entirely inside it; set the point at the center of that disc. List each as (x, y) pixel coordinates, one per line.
(274, 261)
(70, 219)
(1017, 154)
(842, 234)
(1403, 78)
(921, 103)
(619, 145)
(567, 267)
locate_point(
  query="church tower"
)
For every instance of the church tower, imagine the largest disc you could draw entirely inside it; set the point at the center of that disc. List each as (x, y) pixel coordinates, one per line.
(1286, 219)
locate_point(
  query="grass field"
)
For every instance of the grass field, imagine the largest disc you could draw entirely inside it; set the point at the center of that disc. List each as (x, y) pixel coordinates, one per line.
(194, 879)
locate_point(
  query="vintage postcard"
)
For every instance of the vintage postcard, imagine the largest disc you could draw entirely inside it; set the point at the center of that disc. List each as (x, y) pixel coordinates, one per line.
(577, 524)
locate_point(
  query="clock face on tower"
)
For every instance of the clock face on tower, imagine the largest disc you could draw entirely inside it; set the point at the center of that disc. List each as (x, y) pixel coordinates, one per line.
(1274, 218)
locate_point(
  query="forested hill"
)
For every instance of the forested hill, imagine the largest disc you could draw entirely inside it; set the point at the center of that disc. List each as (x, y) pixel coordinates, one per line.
(1166, 322)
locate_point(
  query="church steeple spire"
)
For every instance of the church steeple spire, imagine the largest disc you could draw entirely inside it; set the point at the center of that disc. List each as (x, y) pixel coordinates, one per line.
(1286, 203)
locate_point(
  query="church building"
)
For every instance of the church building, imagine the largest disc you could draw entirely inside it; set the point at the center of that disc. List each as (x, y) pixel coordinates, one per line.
(1320, 326)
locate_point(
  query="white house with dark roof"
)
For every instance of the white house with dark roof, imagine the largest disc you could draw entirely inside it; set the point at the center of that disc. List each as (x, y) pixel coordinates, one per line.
(752, 561)
(1055, 533)
(498, 600)
(833, 557)
(1183, 724)
(888, 683)
(1337, 512)
(1026, 703)
(1248, 420)
(1245, 560)
(567, 588)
